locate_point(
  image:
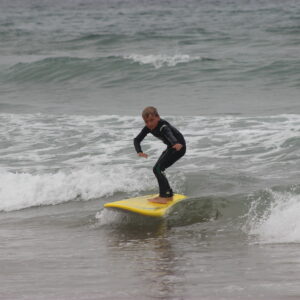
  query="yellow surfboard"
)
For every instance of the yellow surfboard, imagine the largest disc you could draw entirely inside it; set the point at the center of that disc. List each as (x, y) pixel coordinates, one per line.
(141, 205)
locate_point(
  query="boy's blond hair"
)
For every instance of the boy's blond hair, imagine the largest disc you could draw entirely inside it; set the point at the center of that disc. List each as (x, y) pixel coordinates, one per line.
(149, 110)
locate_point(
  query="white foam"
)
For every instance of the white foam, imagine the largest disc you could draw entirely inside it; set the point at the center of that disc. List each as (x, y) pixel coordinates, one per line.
(256, 140)
(107, 217)
(22, 190)
(86, 140)
(161, 60)
(280, 222)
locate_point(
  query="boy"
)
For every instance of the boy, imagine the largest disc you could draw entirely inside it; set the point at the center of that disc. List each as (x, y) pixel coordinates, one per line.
(175, 149)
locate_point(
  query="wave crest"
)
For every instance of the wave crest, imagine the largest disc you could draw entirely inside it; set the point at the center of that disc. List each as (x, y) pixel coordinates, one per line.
(274, 217)
(161, 60)
(23, 190)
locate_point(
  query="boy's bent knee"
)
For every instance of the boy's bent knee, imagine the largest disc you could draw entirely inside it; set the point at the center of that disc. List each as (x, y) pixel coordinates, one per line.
(157, 170)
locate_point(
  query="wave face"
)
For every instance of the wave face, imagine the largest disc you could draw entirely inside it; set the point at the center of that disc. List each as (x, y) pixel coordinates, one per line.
(76, 69)
(143, 68)
(273, 216)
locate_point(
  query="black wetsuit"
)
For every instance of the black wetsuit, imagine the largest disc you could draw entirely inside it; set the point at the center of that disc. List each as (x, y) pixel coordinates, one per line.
(170, 136)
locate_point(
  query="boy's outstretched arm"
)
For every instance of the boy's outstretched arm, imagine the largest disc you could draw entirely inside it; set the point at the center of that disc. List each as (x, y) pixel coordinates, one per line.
(137, 142)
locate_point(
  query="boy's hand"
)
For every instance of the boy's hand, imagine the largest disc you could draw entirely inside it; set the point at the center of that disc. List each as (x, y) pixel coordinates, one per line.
(143, 154)
(177, 147)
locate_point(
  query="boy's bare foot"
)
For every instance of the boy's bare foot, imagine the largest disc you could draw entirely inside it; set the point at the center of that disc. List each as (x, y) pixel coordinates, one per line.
(161, 200)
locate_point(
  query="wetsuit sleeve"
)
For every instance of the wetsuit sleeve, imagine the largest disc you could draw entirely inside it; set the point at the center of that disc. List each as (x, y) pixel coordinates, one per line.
(138, 139)
(168, 134)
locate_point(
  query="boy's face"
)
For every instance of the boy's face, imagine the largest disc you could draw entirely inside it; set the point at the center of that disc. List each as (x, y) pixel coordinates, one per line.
(152, 121)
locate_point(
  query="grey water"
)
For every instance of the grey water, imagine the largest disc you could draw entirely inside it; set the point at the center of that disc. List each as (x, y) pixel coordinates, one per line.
(74, 78)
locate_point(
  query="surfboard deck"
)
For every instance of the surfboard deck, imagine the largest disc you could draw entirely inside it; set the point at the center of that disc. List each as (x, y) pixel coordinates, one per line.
(141, 205)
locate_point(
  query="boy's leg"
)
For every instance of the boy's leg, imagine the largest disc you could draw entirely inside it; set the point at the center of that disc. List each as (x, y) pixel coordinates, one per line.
(168, 158)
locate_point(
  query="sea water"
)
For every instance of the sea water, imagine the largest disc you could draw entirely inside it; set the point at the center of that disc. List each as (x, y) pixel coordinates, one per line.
(74, 77)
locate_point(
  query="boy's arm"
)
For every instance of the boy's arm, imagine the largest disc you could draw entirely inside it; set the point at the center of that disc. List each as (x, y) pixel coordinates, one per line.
(138, 139)
(167, 132)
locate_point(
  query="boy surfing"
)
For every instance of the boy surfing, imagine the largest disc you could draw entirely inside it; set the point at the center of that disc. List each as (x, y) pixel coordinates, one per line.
(176, 148)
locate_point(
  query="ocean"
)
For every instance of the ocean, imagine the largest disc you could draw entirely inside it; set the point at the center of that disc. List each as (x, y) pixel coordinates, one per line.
(74, 78)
